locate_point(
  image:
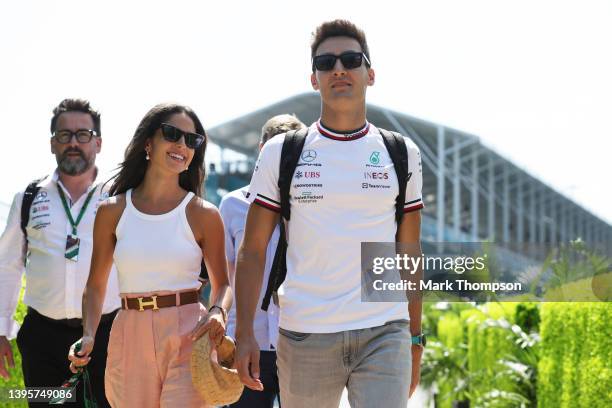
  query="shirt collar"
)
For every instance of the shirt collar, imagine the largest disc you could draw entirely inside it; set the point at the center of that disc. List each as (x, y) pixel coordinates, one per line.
(335, 135)
(97, 180)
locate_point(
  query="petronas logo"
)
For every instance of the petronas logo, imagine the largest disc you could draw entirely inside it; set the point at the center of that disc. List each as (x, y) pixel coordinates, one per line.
(374, 158)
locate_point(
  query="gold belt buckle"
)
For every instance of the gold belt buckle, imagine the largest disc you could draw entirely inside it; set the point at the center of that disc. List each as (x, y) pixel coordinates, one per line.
(153, 303)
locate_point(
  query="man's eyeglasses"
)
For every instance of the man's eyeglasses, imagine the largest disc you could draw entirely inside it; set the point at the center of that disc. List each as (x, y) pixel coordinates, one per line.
(82, 135)
(173, 134)
(349, 60)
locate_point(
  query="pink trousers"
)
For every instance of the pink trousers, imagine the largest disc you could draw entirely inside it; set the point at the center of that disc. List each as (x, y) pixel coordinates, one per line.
(148, 362)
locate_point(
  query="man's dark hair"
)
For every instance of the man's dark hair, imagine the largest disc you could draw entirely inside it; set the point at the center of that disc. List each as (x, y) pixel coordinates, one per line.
(76, 105)
(338, 28)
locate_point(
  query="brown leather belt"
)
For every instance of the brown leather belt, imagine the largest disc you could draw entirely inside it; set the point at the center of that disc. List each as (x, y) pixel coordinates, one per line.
(158, 302)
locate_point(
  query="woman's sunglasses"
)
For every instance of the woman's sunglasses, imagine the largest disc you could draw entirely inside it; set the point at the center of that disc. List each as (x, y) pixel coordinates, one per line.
(173, 134)
(349, 60)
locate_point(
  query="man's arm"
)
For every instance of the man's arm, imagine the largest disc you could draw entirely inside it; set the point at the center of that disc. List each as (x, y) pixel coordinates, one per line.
(250, 264)
(12, 255)
(409, 234)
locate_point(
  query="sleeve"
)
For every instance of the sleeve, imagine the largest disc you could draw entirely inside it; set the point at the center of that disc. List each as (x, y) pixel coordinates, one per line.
(414, 199)
(230, 247)
(263, 189)
(12, 255)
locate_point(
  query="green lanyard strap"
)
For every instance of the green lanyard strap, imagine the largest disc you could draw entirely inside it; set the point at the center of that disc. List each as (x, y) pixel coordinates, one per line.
(89, 400)
(67, 209)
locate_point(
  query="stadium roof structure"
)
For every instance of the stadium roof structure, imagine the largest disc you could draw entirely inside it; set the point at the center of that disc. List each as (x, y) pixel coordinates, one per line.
(471, 192)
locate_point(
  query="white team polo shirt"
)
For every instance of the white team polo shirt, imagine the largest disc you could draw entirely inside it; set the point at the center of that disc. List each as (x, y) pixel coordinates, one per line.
(342, 194)
(54, 284)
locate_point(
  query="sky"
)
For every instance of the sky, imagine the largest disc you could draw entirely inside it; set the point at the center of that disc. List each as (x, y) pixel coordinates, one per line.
(531, 79)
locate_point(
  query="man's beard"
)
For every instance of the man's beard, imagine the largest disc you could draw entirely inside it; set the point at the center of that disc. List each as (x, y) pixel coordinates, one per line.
(71, 165)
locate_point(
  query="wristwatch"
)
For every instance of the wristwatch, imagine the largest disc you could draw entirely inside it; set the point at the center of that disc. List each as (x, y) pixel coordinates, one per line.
(419, 339)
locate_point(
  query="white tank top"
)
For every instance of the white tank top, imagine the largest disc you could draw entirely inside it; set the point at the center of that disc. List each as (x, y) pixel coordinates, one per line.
(156, 252)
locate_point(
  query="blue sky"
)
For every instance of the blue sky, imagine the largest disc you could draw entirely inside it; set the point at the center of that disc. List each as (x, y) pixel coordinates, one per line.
(530, 78)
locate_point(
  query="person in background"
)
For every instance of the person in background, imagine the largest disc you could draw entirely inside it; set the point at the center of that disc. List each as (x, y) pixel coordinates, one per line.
(57, 242)
(233, 208)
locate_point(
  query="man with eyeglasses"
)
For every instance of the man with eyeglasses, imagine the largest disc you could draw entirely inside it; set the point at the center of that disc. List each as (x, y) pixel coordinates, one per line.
(343, 191)
(48, 236)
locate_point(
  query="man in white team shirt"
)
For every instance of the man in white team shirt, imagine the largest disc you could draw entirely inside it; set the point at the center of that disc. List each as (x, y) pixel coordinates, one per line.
(233, 208)
(59, 249)
(342, 194)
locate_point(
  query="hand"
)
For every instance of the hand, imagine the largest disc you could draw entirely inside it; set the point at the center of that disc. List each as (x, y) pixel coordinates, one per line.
(212, 323)
(5, 353)
(80, 358)
(247, 362)
(415, 378)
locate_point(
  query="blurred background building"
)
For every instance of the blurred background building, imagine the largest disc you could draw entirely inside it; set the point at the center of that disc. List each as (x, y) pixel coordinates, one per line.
(471, 192)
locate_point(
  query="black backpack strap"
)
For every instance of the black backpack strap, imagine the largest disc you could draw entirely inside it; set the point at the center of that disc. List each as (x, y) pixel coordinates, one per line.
(290, 155)
(26, 203)
(278, 272)
(396, 146)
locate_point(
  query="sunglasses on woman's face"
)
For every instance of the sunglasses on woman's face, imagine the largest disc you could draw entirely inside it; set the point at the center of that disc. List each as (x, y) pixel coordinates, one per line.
(349, 60)
(173, 134)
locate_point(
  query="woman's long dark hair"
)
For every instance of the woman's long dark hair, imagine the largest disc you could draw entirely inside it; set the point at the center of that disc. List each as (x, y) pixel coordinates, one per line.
(134, 166)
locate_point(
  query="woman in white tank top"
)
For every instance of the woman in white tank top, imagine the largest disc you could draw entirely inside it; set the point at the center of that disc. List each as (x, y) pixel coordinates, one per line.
(156, 229)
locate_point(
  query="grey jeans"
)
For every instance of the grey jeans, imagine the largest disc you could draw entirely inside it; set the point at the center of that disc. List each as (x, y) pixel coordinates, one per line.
(374, 364)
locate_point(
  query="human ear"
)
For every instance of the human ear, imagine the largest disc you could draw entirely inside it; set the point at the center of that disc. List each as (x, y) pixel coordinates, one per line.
(314, 82)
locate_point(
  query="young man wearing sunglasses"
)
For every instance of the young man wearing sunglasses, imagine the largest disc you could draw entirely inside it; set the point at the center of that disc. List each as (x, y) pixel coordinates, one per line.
(54, 220)
(343, 192)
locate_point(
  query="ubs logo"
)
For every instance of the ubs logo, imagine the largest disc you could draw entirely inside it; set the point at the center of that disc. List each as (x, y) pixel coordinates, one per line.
(40, 208)
(309, 155)
(307, 174)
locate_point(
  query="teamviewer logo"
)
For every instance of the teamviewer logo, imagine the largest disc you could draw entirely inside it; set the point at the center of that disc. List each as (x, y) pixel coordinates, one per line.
(364, 185)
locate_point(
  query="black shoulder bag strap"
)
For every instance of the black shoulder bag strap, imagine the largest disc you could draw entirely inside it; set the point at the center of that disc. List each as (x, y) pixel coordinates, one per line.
(396, 146)
(26, 203)
(290, 155)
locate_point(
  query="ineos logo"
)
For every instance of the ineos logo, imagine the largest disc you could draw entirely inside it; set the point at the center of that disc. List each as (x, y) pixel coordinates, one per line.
(309, 155)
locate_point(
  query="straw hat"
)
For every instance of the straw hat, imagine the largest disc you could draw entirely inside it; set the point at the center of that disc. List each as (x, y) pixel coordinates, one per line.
(216, 382)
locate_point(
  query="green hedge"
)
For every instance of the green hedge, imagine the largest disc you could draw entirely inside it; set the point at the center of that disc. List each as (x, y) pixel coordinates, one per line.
(576, 355)
(486, 346)
(461, 327)
(451, 334)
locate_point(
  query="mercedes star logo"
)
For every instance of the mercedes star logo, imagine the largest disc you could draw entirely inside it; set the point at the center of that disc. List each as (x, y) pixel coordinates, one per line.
(309, 155)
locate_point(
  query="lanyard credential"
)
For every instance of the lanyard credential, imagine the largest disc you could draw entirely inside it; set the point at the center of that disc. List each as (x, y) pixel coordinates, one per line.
(70, 385)
(72, 240)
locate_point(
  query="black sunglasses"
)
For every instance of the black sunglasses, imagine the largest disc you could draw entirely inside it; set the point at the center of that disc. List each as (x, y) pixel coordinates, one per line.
(82, 135)
(349, 60)
(173, 134)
